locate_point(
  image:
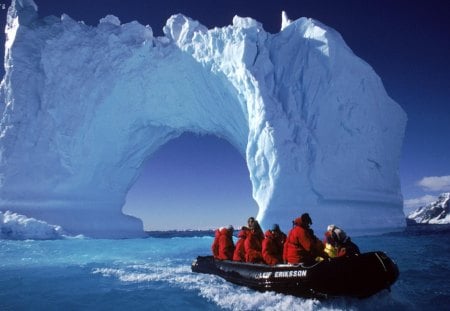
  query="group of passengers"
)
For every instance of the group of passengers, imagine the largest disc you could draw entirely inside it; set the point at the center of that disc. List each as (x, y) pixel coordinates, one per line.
(274, 247)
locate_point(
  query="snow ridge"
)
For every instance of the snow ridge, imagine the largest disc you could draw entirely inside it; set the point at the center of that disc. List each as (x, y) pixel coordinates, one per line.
(437, 212)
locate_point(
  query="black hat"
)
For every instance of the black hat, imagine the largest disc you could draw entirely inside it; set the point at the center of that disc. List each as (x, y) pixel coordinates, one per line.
(306, 219)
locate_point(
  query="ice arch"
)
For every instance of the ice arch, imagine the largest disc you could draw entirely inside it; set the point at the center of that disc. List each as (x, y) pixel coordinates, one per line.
(84, 106)
(207, 176)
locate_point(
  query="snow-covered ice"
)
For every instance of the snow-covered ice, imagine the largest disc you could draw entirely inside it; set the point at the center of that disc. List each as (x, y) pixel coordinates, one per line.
(84, 107)
(19, 227)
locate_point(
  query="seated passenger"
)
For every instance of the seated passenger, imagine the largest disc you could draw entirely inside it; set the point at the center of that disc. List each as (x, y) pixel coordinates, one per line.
(226, 245)
(253, 242)
(239, 250)
(301, 244)
(272, 246)
(330, 245)
(215, 244)
(281, 236)
(254, 226)
(341, 242)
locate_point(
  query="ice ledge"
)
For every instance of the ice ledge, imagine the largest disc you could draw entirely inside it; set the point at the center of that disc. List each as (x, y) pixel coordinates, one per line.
(14, 226)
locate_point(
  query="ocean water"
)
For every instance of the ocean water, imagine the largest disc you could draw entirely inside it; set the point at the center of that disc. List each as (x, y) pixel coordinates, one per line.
(154, 274)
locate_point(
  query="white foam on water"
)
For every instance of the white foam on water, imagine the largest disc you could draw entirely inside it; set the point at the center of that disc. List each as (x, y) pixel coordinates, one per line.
(213, 288)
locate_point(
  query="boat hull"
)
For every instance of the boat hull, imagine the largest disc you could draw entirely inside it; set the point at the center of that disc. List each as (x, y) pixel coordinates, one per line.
(355, 276)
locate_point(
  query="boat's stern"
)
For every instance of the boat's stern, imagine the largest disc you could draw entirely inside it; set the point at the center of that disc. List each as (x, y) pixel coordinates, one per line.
(390, 268)
(204, 264)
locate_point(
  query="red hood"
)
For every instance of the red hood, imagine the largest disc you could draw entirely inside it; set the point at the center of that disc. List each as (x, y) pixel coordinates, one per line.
(269, 234)
(242, 234)
(225, 231)
(298, 221)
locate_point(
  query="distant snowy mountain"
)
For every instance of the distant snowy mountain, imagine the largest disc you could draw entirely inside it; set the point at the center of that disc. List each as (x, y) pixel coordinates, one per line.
(437, 212)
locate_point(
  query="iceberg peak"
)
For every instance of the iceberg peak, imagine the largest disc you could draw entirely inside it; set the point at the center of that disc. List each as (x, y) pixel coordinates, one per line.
(246, 22)
(111, 19)
(181, 29)
(285, 21)
(24, 10)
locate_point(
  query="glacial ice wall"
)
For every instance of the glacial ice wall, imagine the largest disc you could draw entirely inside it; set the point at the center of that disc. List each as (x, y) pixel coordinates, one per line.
(84, 107)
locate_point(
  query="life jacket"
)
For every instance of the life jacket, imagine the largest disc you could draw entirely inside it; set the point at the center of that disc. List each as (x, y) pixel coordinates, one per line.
(239, 250)
(330, 245)
(226, 245)
(272, 252)
(330, 250)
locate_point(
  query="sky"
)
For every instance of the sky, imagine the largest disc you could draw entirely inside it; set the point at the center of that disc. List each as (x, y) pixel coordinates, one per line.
(406, 42)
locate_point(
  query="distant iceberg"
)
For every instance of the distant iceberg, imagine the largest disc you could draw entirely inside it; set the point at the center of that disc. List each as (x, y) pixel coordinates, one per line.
(437, 212)
(19, 227)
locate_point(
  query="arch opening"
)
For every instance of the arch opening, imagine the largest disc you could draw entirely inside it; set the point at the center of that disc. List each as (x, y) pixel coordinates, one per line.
(196, 182)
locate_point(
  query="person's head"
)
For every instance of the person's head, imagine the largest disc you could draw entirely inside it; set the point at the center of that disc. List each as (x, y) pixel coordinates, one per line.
(330, 228)
(251, 222)
(339, 236)
(306, 220)
(243, 233)
(230, 228)
(275, 227)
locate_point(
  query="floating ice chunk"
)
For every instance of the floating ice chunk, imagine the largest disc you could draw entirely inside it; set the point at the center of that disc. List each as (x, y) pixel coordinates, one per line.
(19, 227)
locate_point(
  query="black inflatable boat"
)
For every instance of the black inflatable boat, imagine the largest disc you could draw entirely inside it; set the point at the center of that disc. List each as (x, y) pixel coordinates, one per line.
(356, 276)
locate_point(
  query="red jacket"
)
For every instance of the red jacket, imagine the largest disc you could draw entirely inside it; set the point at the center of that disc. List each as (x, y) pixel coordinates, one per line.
(239, 250)
(253, 247)
(299, 243)
(272, 250)
(226, 245)
(215, 245)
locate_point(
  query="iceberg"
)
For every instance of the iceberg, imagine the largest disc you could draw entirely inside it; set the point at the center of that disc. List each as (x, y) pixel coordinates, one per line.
(83, 107)
(19, 227)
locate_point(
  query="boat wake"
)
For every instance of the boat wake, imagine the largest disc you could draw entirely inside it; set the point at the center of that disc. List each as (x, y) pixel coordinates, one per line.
(232, 297)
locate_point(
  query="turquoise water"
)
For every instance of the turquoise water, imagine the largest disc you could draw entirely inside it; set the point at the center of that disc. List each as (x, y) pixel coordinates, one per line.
(154, 274)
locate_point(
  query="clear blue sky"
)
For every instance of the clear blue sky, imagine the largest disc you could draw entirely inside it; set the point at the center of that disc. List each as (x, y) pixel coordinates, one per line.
(406, 42)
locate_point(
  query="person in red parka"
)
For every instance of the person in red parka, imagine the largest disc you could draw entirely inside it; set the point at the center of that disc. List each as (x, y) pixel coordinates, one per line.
(281, 237)
(239, 250)
(253, 242)
(272, 246)
(215, 244)
(226, 245)
(301, 244)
